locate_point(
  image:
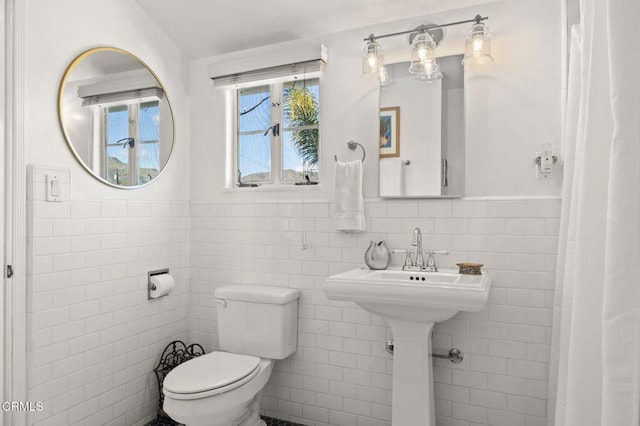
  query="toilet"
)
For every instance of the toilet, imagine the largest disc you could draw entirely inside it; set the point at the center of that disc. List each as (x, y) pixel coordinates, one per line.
(256, 326)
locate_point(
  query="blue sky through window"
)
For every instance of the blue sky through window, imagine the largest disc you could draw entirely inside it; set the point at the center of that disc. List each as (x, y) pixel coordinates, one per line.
(254, 148)
(118, 128)
(149, 130)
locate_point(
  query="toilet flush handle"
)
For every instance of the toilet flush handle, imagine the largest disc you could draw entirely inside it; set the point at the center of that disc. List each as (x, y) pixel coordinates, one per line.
(222, 302)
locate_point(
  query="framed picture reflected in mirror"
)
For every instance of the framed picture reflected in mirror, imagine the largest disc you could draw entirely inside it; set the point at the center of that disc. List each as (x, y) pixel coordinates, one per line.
(389, 132)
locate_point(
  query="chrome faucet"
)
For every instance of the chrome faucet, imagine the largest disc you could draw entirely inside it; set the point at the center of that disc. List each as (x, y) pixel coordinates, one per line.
(417, 243)
(419, 264)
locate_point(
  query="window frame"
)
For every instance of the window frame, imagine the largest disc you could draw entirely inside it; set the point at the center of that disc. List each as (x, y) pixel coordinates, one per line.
(276, 87)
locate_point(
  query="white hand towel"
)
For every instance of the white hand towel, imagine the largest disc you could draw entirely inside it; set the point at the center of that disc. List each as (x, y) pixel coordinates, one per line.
(348, 204)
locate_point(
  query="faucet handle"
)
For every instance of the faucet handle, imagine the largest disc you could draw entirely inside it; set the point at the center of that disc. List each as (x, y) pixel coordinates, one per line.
(431, 263)
(432, 252)
(408, 261)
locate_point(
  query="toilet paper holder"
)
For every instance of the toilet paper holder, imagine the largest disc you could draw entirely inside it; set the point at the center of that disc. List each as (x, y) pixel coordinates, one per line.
(152, 286)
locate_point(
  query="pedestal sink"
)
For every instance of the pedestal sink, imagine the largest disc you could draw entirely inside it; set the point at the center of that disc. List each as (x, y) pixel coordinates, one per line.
(411, 302)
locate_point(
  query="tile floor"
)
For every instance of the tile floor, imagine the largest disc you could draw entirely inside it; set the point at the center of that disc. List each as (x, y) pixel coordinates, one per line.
(276, 422)
(166, 421)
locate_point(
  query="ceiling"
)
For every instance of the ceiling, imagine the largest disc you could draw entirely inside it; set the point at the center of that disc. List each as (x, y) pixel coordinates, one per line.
(211, 27)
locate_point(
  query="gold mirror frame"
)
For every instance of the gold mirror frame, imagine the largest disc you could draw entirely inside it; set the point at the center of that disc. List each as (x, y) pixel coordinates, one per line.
(61, 119)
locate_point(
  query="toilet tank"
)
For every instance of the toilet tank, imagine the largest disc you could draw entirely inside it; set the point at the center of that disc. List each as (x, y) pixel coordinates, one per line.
(257, 320)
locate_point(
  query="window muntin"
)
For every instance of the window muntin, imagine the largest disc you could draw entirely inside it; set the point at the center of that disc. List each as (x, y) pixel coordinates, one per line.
(278, 133)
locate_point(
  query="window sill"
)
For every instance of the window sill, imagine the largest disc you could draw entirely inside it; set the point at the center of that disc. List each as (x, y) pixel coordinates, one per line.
(271, 188)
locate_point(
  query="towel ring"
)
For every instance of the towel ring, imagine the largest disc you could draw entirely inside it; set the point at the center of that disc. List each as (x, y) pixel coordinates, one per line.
(352, 145)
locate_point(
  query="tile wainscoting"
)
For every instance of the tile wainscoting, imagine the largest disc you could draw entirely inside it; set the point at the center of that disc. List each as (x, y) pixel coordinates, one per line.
(341, 375)
(94, 338)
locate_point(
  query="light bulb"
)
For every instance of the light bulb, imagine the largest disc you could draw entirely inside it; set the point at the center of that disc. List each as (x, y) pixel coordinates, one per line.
(422, 53)
(372, 59)
(478, 45)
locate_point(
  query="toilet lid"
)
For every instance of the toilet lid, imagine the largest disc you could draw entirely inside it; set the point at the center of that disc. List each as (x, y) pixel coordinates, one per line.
(211, 371)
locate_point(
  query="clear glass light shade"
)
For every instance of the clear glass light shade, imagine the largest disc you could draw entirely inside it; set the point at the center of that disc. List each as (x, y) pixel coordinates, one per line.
(372, 59)
(477, 45)
(430, 72)
(423, 54)
(385, 77)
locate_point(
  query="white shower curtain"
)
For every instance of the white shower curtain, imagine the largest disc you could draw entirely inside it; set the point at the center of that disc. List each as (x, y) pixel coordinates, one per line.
(595, 365)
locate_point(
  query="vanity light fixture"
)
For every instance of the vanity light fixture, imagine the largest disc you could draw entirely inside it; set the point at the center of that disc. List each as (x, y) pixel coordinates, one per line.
(424, 40)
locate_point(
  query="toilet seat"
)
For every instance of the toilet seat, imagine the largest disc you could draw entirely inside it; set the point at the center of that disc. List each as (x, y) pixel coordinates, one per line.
(210, 374)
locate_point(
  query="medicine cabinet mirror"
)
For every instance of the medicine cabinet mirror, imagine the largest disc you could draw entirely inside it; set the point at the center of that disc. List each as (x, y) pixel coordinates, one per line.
(116, 117)
(422, 133)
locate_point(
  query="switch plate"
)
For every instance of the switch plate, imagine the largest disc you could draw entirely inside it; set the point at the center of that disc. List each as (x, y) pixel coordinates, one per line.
(54, 188)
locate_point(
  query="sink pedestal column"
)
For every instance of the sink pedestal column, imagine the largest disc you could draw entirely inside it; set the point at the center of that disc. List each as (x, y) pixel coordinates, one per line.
(412, 373)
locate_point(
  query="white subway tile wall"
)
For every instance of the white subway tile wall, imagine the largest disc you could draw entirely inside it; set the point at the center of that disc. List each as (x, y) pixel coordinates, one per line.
(94, 339)
(341, 375)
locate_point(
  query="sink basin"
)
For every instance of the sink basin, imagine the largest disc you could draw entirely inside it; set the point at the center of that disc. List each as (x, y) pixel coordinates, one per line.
(410, 295)
(411, 302)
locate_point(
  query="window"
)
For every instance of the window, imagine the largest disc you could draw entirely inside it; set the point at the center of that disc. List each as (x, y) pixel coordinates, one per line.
(277, 133)
(130, 135)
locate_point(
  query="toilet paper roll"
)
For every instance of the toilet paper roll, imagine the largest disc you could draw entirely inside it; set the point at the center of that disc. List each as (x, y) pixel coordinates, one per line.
(161, 285)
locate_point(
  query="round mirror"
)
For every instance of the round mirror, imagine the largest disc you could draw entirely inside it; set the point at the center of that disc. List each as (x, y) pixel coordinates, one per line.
(116, 117)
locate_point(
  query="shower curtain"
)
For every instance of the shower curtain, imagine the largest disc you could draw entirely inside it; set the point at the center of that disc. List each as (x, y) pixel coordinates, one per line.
(595, 363)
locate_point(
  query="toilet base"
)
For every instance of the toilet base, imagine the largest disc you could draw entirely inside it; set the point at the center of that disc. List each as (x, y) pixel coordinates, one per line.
(252, 417)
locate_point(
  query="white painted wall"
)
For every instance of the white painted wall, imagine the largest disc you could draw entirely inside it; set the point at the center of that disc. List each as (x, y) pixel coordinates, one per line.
(513, 105)
(93, 337)
(53, 43)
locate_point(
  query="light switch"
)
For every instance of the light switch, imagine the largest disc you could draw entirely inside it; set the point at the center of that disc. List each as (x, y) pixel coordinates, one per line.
(54, 188)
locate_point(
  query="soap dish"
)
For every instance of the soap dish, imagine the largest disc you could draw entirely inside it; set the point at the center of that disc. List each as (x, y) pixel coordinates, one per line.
(469, 268)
